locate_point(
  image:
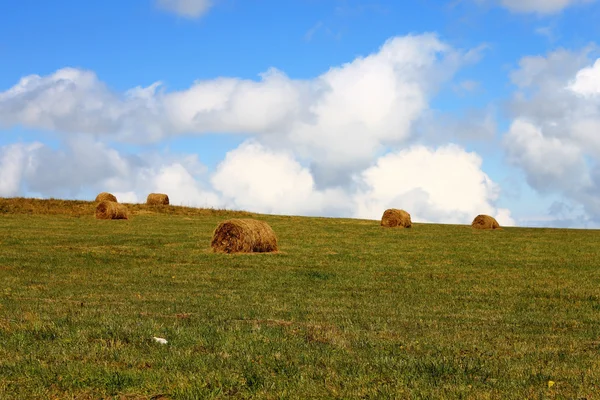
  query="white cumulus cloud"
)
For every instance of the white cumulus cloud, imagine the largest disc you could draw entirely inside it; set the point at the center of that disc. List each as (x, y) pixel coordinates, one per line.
(436, 185)
(340, 119)
(255, 178)
(549, 162)
(554, 134)
(14, 160)
(587, 81)
(76, 101)
(83, 167)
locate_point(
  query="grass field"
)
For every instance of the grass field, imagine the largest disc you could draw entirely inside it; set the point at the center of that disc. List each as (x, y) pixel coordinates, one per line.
(346, 309)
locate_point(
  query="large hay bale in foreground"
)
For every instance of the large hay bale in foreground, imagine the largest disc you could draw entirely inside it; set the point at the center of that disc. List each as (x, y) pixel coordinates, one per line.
(393, 218)
(105, 196)
(244, 236)
(111, 210)
(157, 199)
(483, 221)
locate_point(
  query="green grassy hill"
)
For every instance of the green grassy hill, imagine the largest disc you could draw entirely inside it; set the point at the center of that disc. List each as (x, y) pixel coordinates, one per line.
(346, 309)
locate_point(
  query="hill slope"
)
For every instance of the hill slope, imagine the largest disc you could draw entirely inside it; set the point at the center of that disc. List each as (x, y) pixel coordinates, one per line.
(345, 309)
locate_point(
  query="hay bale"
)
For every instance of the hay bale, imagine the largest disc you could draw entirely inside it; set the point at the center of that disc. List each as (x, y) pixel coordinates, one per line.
(244, 236)
(393, 218)
(111, 210)
(105, 196)
(157, 199)
(485, 222)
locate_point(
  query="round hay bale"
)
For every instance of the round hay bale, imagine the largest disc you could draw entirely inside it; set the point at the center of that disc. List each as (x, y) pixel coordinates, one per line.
(105, 196)
(157, 199)
(393, 218)
(483, 221)
(244, 236)
(111, 210)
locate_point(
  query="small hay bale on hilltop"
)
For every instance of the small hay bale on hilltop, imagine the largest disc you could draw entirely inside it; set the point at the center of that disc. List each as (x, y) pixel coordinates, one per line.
(157, 199)
(483, 221)
(105, 196)
(244, 236)
(111, 210)
(393, 218)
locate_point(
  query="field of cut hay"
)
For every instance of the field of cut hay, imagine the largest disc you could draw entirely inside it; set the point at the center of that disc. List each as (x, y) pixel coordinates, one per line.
(344, 309)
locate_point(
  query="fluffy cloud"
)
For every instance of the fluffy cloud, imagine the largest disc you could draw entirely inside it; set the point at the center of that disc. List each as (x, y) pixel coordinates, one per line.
(75, 101)
(549, 162)
(229, 105)
(14, 159)
(587, 81)
(553, 137)
(85, 167)
(255, 178)
(186, 8)
(540, 6)
(436, 185)
(340, 119)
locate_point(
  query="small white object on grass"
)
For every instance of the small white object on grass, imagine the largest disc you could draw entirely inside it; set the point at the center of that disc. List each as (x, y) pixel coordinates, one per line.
(159, 340)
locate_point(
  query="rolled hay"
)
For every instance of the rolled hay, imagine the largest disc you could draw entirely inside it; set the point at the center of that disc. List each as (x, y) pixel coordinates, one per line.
(483, 221)
(111, 210)
(393, 218)
(105, 196)
(244, 236)
(157, 199)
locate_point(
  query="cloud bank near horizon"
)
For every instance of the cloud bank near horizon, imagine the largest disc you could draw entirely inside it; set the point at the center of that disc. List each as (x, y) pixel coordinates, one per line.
(338, 144)
(344, 143)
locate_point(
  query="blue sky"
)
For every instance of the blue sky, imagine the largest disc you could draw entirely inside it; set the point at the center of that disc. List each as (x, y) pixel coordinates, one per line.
(336, 108)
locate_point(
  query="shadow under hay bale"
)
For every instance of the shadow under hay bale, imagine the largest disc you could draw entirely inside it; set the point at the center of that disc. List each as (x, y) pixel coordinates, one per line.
(244, 236)
(105, 196)
(485, 222)
(157, 199)
(394, 218)
(111, 210)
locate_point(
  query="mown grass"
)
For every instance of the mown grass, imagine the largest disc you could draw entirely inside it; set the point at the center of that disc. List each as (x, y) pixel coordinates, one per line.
(346, 309)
